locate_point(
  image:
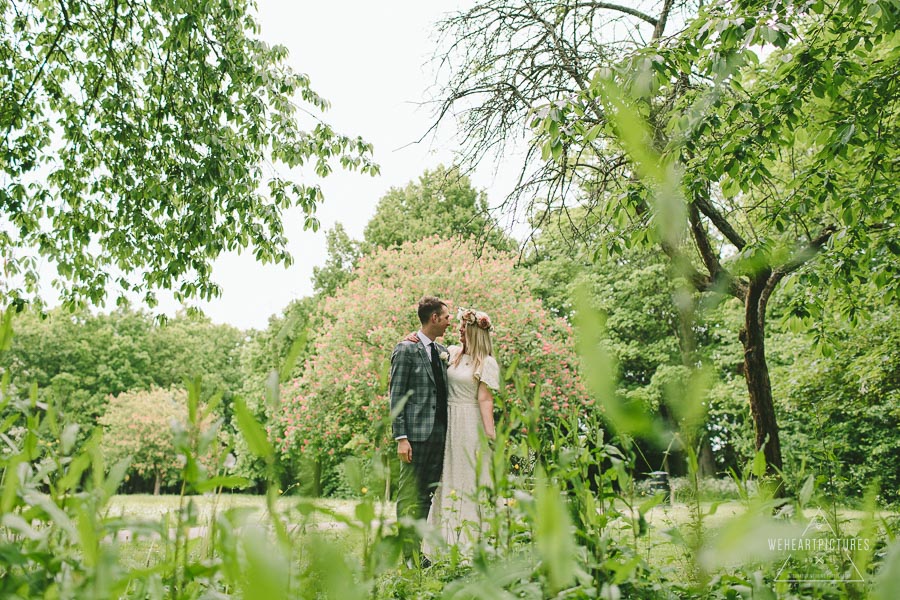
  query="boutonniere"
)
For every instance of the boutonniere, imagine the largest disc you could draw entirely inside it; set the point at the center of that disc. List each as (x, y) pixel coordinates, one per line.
(444, 356)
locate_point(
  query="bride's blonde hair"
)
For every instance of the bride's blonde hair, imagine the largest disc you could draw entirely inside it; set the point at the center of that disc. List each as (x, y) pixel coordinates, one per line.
(477, 342)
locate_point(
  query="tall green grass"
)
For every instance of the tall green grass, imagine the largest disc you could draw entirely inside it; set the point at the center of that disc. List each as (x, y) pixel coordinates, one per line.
(563, 517)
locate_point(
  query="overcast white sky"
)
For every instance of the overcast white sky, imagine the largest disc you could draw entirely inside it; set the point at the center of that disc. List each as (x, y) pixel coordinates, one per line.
(371, 61)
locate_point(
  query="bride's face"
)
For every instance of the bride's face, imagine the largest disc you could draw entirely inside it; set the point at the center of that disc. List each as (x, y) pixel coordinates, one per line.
(462, 333)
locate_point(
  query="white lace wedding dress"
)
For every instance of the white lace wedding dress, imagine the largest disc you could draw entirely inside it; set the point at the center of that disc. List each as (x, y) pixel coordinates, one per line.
(454, 510)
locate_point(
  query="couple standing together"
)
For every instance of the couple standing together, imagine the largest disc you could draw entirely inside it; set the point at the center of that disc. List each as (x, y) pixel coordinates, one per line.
(444, 408)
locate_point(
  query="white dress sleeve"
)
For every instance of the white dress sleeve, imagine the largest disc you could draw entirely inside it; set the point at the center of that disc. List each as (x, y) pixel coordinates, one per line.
(490, 373)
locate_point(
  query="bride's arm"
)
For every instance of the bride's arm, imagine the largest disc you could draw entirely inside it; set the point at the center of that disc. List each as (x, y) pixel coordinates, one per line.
(486, 405)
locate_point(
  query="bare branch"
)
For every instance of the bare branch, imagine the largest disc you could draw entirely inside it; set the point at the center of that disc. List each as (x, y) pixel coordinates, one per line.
(625, 10)
(719, 220)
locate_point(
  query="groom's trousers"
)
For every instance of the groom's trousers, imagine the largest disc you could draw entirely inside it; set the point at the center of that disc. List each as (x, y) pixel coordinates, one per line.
(417, 484)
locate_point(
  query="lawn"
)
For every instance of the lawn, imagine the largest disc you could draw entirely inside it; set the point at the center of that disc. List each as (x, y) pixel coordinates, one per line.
(153, 507)
(662, 544)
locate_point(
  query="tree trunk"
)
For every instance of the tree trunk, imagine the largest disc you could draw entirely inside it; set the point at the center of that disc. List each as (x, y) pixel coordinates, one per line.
(156, 485)
(707, 462)
(756, 372)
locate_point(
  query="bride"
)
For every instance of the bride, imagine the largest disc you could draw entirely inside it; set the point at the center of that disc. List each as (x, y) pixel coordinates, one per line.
(471, 375)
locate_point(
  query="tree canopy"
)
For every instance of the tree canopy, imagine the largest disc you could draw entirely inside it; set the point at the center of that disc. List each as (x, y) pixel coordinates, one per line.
(80, 360)
(140, 141)
(443, 203)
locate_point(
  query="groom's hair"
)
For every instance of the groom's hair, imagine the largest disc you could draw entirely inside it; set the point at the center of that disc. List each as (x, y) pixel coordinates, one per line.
(428, 306)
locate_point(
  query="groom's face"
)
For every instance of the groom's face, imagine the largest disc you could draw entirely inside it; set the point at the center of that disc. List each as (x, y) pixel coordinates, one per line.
(442, 320)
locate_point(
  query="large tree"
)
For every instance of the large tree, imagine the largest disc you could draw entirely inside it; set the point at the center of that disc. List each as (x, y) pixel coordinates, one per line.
(739, 172)
(136, 140)
(145, 426)
(343, 252)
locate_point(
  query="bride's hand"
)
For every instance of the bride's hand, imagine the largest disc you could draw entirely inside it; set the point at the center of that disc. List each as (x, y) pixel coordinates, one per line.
(412, 338)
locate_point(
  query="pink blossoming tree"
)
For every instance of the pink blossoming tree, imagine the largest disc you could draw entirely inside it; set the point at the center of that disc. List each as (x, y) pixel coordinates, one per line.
(335, 408)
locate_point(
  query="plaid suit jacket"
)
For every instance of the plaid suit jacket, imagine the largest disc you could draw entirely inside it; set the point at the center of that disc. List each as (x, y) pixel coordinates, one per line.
(412, 386)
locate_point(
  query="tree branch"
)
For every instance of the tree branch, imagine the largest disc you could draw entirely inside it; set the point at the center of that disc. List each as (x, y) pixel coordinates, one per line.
(700, 281)
(799, 258)
(717, 273)
(660, 26)
(719, 220)
(626, 10)
(701, 238)
(40, 73)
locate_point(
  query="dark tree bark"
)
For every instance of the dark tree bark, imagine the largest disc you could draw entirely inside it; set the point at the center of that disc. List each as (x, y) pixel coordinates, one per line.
(756, 372)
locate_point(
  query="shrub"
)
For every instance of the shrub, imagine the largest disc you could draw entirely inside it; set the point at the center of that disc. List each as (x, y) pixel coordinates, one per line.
(142, 425)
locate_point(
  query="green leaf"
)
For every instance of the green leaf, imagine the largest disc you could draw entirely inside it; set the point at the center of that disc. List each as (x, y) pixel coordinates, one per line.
(273, 389)
(115, 477)
(252, 431)
(553, 537)
(193, 401)
(87, 535)
(651, 502)
(6, 331)
(224, 481)
(593, 132)
(52, 511)
(600, 372)
(759, 463)
(211, 405)
(67, 440)
(75, 469)
(291, 359)
(365, 512)
(511, 369)
(10, 484)
(806, 491)
(887, 580)
(266, 569)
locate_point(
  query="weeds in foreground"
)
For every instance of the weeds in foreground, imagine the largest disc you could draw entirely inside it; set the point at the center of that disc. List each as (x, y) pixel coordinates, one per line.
(563, 518)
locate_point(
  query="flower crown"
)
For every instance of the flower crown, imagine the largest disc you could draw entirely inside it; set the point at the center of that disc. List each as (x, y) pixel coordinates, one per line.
(474, 317)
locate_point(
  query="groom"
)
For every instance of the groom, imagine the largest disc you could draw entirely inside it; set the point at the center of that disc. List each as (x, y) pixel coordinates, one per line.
(418, 384)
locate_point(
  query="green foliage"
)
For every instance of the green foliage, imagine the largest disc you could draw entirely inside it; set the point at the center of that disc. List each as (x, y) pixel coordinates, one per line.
(57, 536)
(579, 532)
(443, 203)
(141, 131)
(844, 411)
(645, 335)
(268, 350)
(79, 360)
(343, 253)
(268, 357)
(741, 171)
